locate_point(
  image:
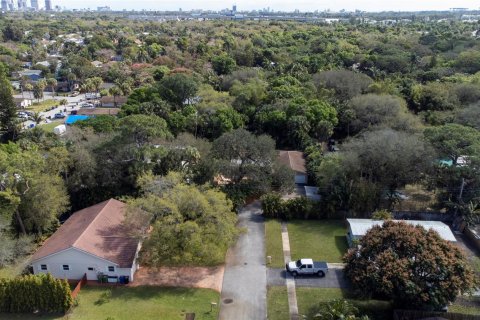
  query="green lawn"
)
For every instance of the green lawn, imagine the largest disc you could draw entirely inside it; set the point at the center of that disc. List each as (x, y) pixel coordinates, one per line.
(308, 298)
(277, 303)
(273, 242)
(475, 261)
(49, 126)
(470, 309)
(42, 105)
(142, 303)
(317, 239)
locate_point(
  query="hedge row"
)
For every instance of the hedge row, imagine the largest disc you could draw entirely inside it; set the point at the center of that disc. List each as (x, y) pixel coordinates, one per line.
(35, 293)
(297, 208)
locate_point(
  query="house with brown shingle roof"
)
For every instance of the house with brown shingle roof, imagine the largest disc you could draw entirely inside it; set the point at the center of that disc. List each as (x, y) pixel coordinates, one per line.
(93, 241)
(295, 160)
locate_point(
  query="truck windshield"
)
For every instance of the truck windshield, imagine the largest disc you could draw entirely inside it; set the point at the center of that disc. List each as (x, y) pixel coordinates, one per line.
(298, 263)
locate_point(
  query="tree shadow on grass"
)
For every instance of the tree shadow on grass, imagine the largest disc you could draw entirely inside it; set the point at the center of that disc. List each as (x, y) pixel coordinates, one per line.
(152, 292)
(341, 244)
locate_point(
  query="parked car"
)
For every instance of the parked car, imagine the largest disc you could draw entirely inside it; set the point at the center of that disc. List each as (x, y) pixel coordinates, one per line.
(22, 115)
(60, 115)
(88, 105)
(307, 267)
(74, 94)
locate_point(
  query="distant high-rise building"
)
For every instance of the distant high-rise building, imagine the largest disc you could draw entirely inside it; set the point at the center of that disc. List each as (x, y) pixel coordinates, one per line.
(104, 9)
(4, 5)
(11, 5)
(234, 8)
(34, 4)
(22, 4)
(48, 5)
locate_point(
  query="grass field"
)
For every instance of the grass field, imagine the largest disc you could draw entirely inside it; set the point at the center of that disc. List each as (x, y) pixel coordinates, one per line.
(49, 126)
(472, 308)
(318, 239)
(273, 242)
(142, 303)
(42, 105)
(277, 303)
(308, 298)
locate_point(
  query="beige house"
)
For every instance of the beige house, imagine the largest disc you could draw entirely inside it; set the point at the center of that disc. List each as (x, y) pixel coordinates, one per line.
(295, 160)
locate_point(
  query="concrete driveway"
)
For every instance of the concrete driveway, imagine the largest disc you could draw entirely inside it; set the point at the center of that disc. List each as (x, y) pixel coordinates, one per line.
(333, 279)
(244, 288)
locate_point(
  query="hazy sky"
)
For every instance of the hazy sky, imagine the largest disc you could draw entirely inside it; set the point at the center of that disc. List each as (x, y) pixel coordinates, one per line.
(290, 5)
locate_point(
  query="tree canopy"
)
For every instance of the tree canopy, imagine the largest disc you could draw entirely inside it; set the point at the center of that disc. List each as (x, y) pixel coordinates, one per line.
(410, 265)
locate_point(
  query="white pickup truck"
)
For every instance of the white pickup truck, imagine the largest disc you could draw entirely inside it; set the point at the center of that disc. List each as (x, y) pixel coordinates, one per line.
(307, 266)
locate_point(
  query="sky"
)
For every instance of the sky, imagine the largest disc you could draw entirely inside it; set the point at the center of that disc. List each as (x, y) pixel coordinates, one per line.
(283, 5)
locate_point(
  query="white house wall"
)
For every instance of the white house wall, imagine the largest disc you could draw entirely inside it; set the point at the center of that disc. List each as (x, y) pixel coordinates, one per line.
(300, 178)
(79, 263)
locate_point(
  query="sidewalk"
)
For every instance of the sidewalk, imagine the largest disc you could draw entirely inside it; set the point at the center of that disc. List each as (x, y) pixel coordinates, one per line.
(290, 280)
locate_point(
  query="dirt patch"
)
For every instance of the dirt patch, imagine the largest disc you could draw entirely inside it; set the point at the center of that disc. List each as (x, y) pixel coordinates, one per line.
(188, 277)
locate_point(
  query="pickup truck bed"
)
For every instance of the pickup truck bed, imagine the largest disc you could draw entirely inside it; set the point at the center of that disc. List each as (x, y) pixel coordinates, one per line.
(320, 265)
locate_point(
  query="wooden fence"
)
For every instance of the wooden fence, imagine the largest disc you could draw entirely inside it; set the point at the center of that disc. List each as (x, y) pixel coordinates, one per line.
(415, 314)
(79, 286)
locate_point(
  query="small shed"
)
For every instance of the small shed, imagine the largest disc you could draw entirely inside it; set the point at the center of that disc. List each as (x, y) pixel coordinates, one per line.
(357, 228)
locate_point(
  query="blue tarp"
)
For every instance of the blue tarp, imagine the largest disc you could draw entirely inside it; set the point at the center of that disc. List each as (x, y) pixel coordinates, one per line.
(74, 118)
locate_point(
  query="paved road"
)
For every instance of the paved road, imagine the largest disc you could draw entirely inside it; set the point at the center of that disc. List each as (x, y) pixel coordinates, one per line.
(245, 279)
(333, 279)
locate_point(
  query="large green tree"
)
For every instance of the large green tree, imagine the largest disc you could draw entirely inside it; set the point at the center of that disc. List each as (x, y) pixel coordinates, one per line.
(178, 89)
(191, 225)
(414, 267)
(32, 193)
(454, 140)
(8, 109)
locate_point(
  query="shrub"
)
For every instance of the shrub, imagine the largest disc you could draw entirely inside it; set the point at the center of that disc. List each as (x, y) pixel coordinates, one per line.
(336, 310)
(382, 215)
(35, 293)
(274, 206)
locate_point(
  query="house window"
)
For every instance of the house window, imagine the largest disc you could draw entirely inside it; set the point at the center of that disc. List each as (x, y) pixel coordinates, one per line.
(111, 269)
(43, 267)
(66, 267)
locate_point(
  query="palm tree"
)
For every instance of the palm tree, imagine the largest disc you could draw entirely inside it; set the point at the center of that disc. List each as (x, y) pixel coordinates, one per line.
(36, 117)
(29, 88)
(23, 84)
(52, 83)
(40, 86)
(115, 91)
(97, 83)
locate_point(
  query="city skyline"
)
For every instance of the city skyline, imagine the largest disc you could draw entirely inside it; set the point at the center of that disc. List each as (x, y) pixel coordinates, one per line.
(279, 5)
(22, 5)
